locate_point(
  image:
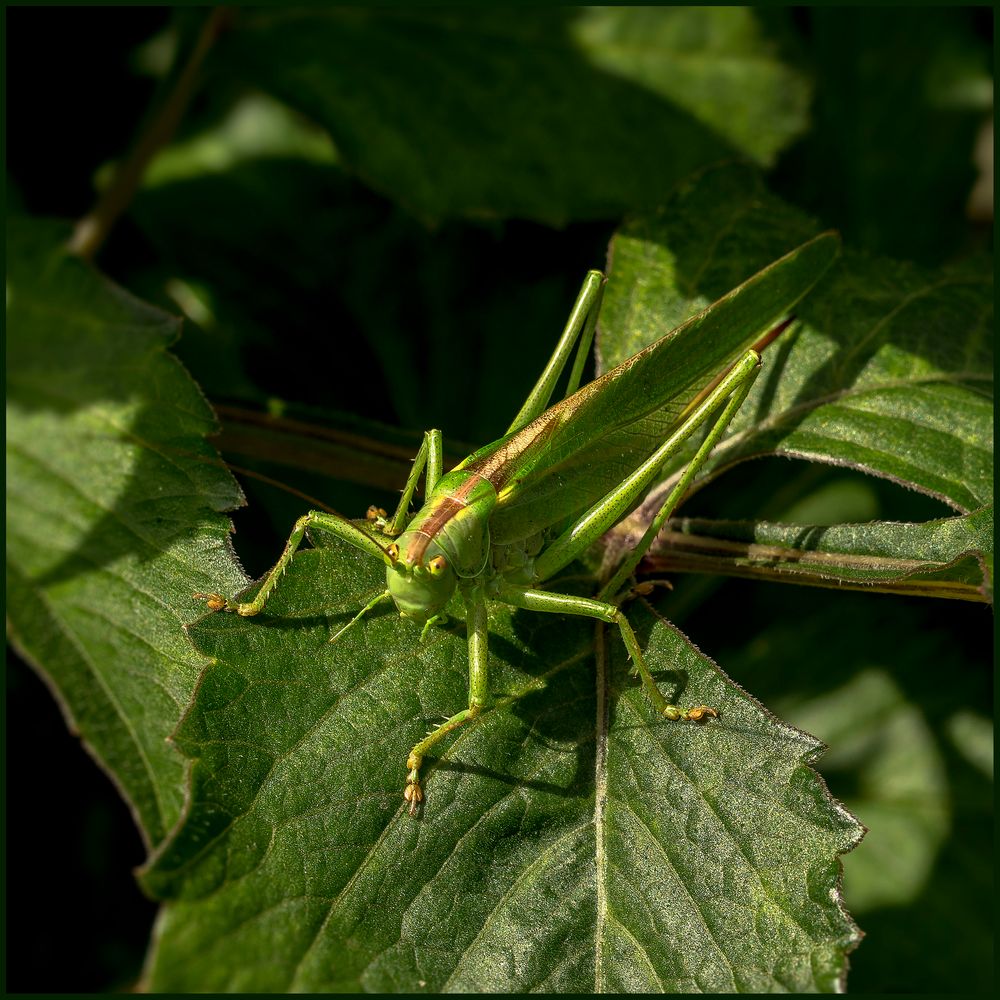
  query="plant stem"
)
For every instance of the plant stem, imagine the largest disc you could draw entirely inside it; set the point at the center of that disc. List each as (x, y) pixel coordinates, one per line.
(94, 228)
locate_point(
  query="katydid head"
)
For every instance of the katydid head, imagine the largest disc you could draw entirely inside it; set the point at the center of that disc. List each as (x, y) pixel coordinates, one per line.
(419, 576)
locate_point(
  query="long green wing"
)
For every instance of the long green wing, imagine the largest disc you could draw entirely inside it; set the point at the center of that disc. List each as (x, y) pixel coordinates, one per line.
(581, 447)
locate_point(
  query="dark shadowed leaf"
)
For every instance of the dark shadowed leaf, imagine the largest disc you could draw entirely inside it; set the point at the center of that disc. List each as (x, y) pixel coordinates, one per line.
(899, 102)
(546, 114)
(714, 62)
(900, 690)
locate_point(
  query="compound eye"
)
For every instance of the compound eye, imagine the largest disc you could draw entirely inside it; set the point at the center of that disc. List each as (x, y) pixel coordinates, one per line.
(437, 565)
(392, 551)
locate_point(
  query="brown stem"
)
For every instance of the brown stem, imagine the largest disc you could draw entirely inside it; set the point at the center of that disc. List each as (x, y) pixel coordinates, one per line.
(680, 552)
(93, 229)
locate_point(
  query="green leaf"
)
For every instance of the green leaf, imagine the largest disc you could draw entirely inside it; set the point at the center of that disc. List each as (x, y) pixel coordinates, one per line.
(113, 512)
(255, 127)
(900, 690)
(890, 371)
(568, 841)
(949, 557)
(713, 62)
(381, 307)
(621, 101)
(901, 788)
(534, 114)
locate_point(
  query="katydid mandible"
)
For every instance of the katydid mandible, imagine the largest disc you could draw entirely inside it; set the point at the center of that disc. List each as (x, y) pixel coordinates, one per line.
(517, 511)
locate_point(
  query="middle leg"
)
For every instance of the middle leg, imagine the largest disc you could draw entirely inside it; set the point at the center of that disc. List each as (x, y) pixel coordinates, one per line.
(475, 603)
(568, 604)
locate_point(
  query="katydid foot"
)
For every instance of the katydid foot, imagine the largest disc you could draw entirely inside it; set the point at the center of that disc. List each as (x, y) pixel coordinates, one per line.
(413, 793)
(698, 713)
(216, 602)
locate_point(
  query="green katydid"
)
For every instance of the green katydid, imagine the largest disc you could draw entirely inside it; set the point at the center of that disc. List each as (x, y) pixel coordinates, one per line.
(516, 512)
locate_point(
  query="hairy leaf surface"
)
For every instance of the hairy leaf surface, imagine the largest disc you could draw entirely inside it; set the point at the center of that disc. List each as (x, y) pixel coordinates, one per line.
(113, 501)
(569, 841)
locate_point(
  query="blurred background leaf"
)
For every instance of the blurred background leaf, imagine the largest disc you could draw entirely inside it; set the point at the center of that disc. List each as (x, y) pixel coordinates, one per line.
(898, 105)
(548, 117)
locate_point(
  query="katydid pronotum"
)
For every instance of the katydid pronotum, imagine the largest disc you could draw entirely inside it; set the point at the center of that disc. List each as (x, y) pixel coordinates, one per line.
(516, 512)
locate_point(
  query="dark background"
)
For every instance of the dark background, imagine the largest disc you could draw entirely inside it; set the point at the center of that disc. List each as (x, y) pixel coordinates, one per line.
(75, 919)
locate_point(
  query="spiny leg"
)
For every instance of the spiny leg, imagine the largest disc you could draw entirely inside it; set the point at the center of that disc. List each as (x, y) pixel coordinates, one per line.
(330, 523)
(612, 508)
(612, 588)
(580, 326)
(429, 457)
(568, 604)
(475, 603)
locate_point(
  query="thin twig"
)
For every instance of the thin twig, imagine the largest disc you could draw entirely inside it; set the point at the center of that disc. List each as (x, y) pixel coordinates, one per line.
(93, 229)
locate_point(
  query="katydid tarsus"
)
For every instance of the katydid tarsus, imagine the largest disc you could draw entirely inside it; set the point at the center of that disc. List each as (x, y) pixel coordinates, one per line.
(516, 512)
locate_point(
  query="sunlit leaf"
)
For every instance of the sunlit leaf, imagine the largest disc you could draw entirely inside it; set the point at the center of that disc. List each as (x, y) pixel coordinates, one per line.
(113, 513)
(568, 840)
(889, 372)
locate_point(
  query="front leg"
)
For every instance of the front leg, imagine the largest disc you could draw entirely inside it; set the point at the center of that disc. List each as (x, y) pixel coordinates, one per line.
(475, 603)
(430, 457)
(330, 523)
